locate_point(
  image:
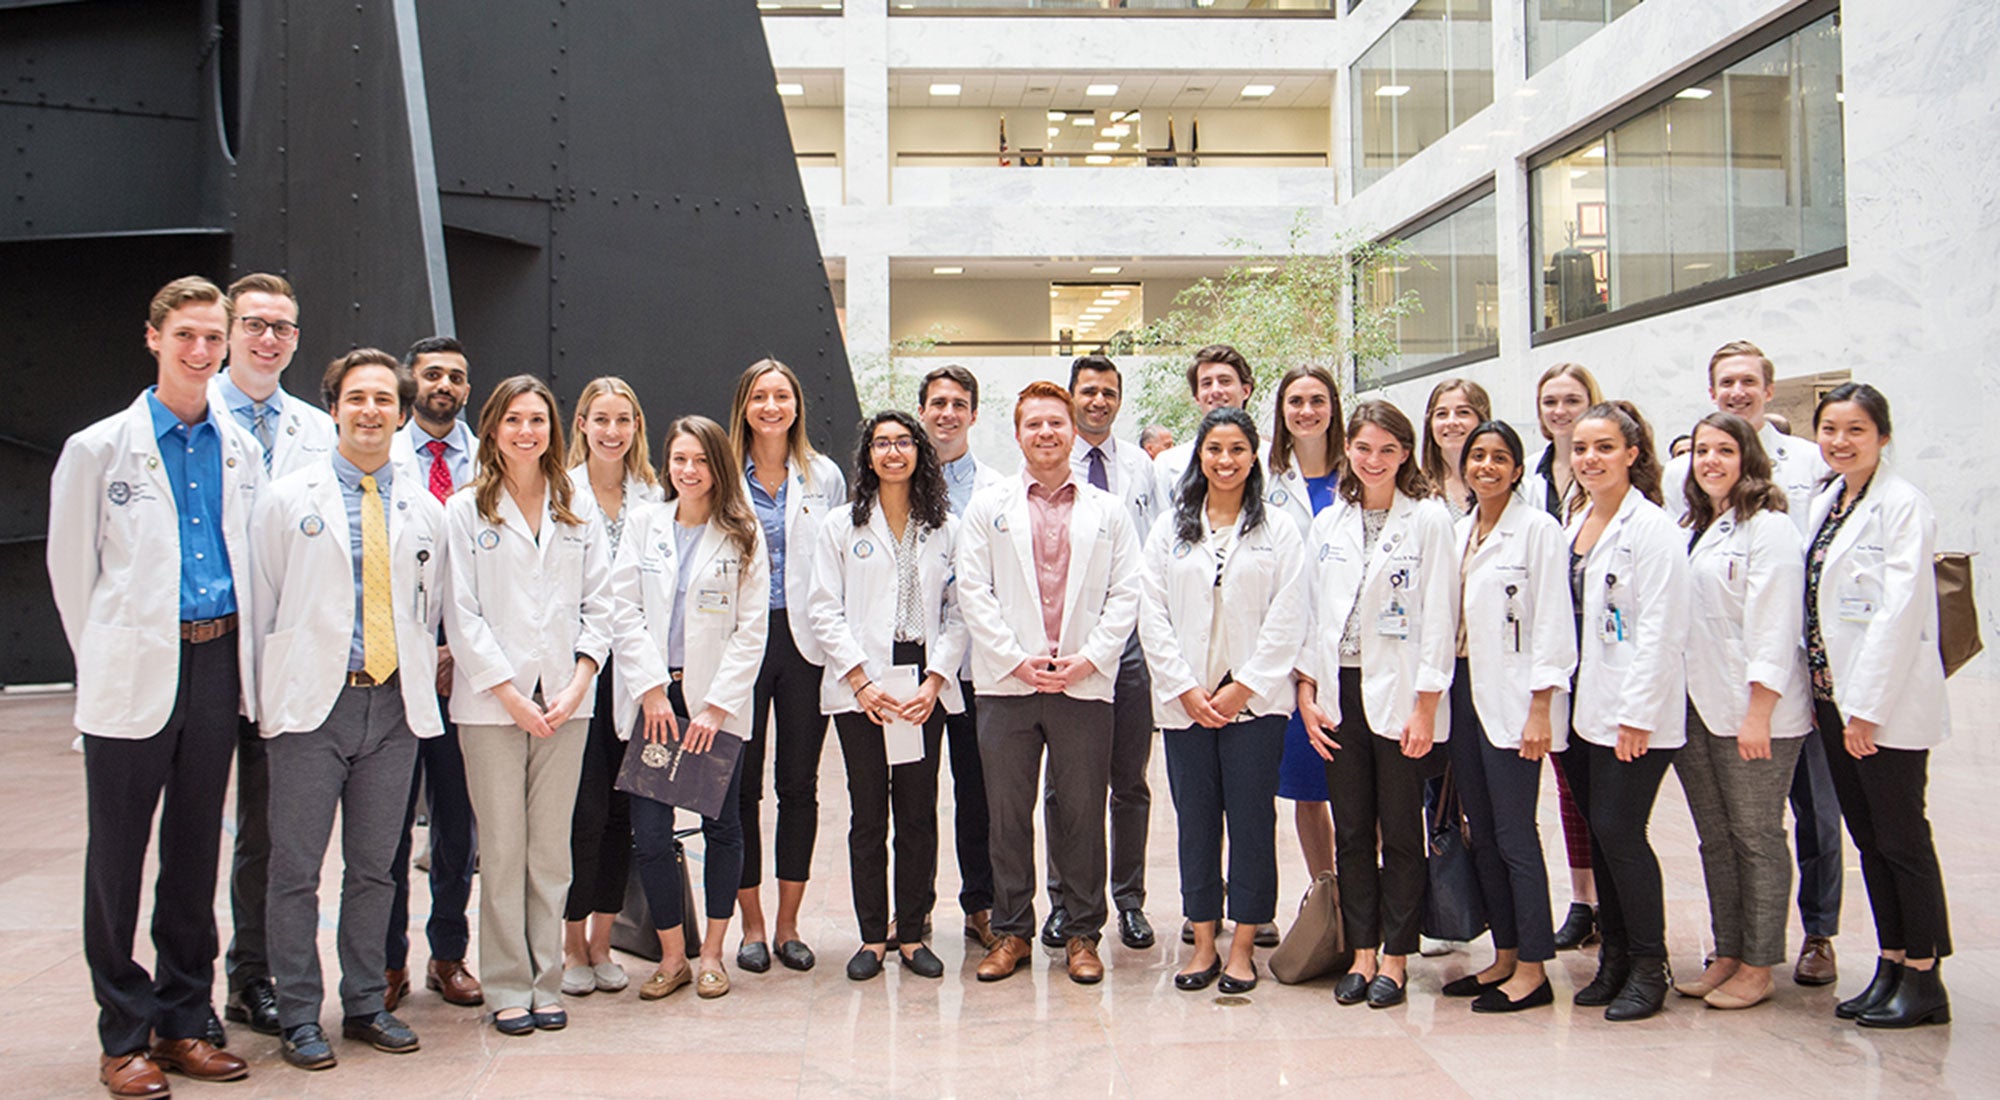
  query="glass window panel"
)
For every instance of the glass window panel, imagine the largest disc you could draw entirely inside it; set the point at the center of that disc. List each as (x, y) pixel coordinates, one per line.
(1556, 27)
(1429, 72)
(1453, 266)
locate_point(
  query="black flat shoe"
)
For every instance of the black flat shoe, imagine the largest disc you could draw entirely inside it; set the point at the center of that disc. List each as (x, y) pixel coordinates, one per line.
(1578, 928)
(1267, 934)
(1187, 932)
(523, 1024)
(923, 962)
(1232, 984)
(215, 1033)
(1352, 989)
(1492, 1000)
(864, 965)
(1385, 992)
(1879, 989)
(549, 1019)
(1134, 930)
(1052, 928)
(1919, 998)
(1469, 986)
(754, 957)
(1198, 980)
(796, 955)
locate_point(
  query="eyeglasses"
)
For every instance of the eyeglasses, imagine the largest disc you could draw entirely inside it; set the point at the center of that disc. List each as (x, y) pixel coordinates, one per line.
(900, 443)
(257, 326)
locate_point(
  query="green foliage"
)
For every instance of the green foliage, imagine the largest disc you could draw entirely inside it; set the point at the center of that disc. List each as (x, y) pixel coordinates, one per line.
(1279, 311)
(887, 379)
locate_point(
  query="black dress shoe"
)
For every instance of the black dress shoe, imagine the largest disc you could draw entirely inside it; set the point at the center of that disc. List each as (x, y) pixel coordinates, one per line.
(864, 965)
(1578, 928)
(1267, 934)
(796, 955)
(754, 957)
(216, 1034)
(1352, 989)
(1613, 967)
(1919, 998)
(549, 1019)
(1469, 986)
(1052, 928)
(1231, 984)
(1187, 932)
(1198, 980)
(305, 1046)
(923, 962)
(1385, 992)
(255, 1004)
(382, 1031)
(1644, 993)
(1879, 988)
(1493, 1000)
(1134, 930)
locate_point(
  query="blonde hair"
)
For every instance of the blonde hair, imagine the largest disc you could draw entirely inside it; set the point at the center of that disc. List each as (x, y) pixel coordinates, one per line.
(638, 460)
(186, 290)
(798, 449)
(1592, 395)
(1433, 452)
(492, 474)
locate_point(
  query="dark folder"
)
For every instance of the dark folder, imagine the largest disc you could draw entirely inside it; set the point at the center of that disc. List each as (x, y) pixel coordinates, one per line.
(669, 774)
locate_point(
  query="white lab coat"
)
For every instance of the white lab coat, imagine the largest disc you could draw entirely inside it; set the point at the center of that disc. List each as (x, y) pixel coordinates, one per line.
(806, 507)
(1416, 545)
(1520, 629)
(1535, 488)
(583, 501)
(522, 609)
(1796, 467)
(1749, 584)
(1289, 494)
(1639, 566)
(724, 628)
(1878, 613)
(1262, 590)
(300, 543)
(114, 563)
(1168, 467)
(1129, 475)
(853, 605)
(1001, 602)
(303, 435)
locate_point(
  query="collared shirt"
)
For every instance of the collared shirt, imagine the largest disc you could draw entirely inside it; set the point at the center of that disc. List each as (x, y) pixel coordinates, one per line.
(192, 459)
(685, 541)
(349, 476)
(1048, 525)
(457, 450)
(770, 513)
(244, 408)
(961, 474)
(1079, 463)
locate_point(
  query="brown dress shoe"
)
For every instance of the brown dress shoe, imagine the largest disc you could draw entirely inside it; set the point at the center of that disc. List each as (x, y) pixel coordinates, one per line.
(1085, 968)
(1816, 965)
(399, 988)
(131, 1074)
(453, 982)
(1009, 953)
(979, 927)
(199, 1059)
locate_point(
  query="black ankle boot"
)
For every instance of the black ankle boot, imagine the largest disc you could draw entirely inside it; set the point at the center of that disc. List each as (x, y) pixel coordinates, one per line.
(1578, 928)
(1879, 988)
(1644, 994)
(1919, 998)
(1613, 968)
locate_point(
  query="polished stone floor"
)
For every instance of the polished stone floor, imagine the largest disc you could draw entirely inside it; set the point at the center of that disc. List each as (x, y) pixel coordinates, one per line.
(817, 1034)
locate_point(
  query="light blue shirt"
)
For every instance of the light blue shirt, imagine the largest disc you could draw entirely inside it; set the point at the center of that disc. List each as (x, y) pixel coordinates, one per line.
(192, 459)
(685, 540)
(244, 408)
(770, 513)
(457, 451)
(961, 474)
(349, 475)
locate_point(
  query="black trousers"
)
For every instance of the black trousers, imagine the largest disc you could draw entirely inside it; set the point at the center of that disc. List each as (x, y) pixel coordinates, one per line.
(1227, 778)
(790, 684)
(1499, 792)
(1131, 802)
(969, 814)
(250, 865)
(875, 790)
(722, 848)
(183, 772)
(1882, 798)
(440, 776)
(1617, 797)
(600, 833)
(1377, 792)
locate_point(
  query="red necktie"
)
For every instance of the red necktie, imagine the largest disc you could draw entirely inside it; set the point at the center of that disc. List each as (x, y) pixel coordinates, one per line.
(440, 470)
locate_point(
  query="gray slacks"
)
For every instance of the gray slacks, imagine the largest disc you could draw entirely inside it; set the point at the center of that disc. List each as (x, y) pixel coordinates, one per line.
(1131, 802)
(1013, 731)
(1739, 814)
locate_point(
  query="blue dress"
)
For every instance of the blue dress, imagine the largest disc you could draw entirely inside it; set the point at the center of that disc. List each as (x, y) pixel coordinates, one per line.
(1301, 771)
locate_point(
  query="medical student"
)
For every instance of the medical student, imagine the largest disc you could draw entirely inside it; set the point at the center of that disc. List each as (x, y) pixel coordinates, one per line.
(530, 621)
(1748, 708)
(1456, 406)
(1509, 710)
(694, 569)
(149, 562)
(1373, 672)
(1742, 381)
(1308, 434)
(611, 472)
(792, 487)
(948, 405)
(348, 686)
(886, 616)
(1879, 697)
(1223, 616)
(1629, 583)
(1219, 377)
(1563, 393)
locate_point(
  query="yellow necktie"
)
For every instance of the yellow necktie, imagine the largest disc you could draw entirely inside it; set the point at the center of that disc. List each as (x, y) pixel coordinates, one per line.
(378, 626)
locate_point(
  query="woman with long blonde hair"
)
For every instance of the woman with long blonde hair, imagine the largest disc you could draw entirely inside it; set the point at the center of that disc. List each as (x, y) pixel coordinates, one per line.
(1456, 406)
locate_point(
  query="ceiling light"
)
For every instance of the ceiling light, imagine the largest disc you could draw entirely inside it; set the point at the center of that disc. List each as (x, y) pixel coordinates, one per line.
(1097, 158)
(1698, 267)
(1054, 130)
(1840, 97)
(1106, 270)
(1578, 173)
(1083, 120)
(947, 271)
(1120, 130)
(1055, 293)
(1391, 91)
(1694, 93)
(1119, 293)
(1058, 116)
(945, 89)
(1096, 311)
(1595, 152)
(1258, 91)
(1101, 89)
(1104, 146)
(791, 89)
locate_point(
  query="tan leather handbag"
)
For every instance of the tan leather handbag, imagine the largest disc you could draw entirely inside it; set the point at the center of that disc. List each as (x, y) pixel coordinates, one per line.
(1316, 944)
(1958, 615)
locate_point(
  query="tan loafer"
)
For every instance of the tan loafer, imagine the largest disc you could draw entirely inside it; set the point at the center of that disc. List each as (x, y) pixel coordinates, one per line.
(664, 982)
(712, 984)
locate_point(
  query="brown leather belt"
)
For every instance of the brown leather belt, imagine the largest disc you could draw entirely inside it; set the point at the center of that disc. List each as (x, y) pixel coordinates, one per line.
(363, 680)
(208, 630)
(676, 674)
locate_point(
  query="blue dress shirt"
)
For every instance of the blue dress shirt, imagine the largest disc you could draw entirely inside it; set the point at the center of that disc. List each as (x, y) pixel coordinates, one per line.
(770, 513)
(192, 459)
(960, 475)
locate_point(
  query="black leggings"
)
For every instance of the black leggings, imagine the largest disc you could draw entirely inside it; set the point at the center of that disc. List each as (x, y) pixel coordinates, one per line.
(1882, 798)
(600, 833)
(722, 847)
(1618, 799)
(789, 683)
(1499, 791)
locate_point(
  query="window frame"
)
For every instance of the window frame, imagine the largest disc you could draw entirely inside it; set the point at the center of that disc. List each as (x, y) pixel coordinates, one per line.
(1482, 188)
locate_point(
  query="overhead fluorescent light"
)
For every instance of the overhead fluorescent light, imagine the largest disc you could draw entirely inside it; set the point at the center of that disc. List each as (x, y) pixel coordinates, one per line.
(1595, 152)
(1096, 311)
(1058, 116)
(945, 89)
(947, 271)
(1101, 89)
(1119, 293)
(1082, 120)
(1055, 293)
(1120, 130)
(1054, 130)
(1097, 158)
(1104, 146)
(1840, 97)
(1391, 91)
(1106, 270)
(791, 89)
(1694, 93)
(1258, 91)
(1578, 173)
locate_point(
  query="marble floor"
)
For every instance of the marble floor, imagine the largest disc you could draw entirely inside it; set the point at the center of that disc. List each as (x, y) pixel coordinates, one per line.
(817, 1034)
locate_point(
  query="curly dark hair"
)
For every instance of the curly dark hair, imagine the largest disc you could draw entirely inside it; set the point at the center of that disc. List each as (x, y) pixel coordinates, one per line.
(930, 501)
(1191, 496)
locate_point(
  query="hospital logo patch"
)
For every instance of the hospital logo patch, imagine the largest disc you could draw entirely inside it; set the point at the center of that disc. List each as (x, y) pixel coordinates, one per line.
(311, 526)
(119, 492)
(489, 539)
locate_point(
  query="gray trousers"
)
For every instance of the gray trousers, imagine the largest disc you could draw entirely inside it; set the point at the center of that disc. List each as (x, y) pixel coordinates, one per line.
(250, 863)
(1131, 797)
(1013, 731)
(1739, 814)
(523, 792)
(359, 761)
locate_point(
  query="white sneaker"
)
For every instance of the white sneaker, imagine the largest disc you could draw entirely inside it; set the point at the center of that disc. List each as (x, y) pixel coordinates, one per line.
(610, 977)
(579, 981)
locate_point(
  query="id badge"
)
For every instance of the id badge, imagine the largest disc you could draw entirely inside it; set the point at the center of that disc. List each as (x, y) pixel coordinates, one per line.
(711, 601)
(1612, 630)
(1393, 623)
(1857, 609)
